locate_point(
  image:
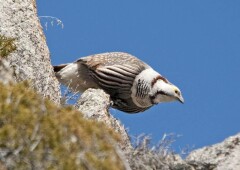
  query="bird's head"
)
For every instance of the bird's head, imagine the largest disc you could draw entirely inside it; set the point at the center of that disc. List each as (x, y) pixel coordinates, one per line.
(164, 91)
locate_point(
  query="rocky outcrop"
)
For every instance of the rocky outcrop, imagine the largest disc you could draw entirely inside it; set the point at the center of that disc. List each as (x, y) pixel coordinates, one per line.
(31, 60)
(36, 134)
(94, 104)
(222, 156)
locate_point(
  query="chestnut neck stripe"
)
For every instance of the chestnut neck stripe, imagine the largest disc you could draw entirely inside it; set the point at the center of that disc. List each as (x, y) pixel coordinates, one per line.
(158, 78)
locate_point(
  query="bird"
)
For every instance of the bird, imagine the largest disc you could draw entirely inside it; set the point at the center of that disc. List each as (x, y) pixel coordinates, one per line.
(133, 85)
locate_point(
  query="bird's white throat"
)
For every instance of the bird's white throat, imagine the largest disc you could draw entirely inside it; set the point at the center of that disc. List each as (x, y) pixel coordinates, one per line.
(147, 75)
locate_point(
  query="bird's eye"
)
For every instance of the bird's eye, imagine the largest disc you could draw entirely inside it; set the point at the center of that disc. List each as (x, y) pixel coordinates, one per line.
(177, 92)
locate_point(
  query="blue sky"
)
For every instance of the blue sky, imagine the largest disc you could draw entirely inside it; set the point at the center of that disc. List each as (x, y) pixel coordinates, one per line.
(195, 44)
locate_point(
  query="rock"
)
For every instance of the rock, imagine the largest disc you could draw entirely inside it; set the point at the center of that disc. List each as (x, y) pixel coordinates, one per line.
(222, 156)
(31, 59)
(6, 74)
(94, 104)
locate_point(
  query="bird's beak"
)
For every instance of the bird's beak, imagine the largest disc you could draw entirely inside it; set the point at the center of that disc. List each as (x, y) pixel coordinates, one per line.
(180, 99)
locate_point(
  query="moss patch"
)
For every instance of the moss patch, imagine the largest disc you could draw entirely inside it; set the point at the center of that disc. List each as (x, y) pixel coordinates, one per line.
(36, 134)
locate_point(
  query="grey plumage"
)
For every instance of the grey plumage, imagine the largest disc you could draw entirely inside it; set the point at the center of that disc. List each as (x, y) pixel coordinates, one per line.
(115, 73)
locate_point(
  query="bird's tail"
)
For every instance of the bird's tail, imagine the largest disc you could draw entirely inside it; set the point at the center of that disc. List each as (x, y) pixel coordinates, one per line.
(59, 67)
(75, 76)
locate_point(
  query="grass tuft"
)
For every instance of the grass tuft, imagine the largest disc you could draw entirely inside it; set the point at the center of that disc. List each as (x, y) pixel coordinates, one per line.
(7, 46)
(36, 134)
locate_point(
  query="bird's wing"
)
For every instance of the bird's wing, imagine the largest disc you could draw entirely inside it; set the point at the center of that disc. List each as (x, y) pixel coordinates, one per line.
(114, 72)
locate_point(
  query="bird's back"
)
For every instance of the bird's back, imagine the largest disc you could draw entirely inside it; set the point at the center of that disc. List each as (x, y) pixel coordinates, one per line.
(112, 58)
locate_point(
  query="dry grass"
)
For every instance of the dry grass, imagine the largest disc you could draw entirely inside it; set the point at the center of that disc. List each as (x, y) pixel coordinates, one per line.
(52, 21)
(161, 156)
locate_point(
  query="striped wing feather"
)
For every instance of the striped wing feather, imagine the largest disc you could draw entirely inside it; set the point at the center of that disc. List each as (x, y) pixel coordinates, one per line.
(116, 77)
